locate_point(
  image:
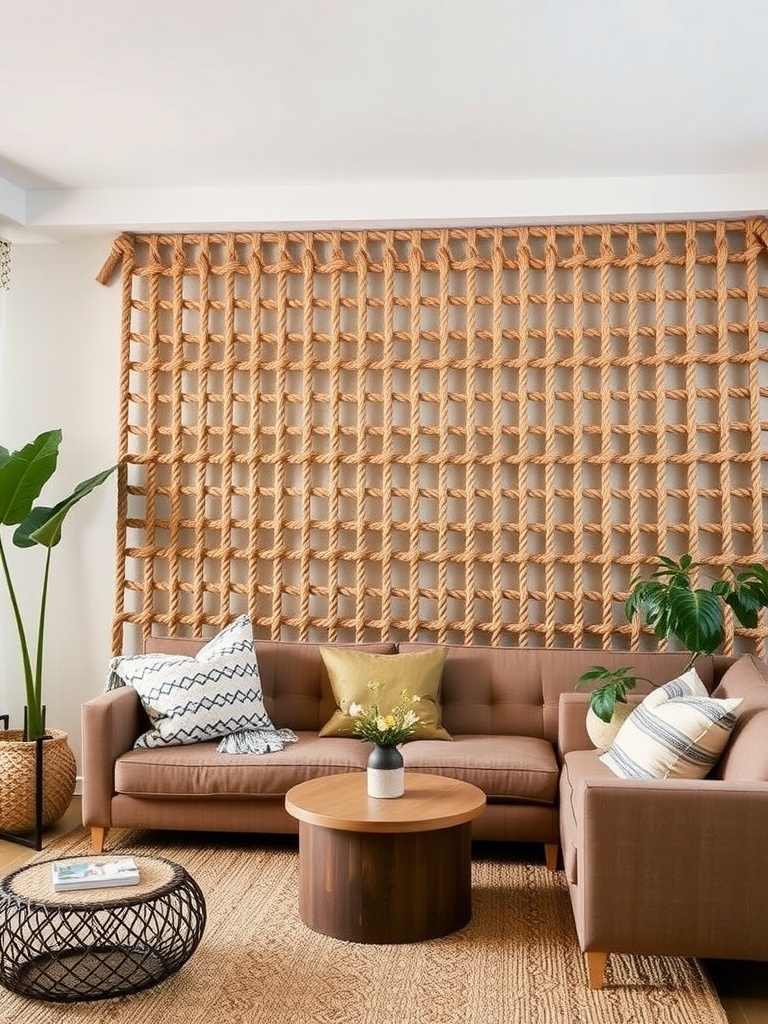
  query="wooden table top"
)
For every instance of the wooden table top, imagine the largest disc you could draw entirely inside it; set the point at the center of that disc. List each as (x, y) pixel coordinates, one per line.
(341, 802)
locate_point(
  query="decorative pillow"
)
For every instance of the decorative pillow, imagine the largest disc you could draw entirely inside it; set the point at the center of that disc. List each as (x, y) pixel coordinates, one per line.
(689, 684)
(745, 759)
(216, 693)
(419, 673)
(677, 732)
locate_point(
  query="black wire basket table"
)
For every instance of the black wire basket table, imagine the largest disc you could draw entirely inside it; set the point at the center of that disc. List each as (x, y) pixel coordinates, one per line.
(97, 943)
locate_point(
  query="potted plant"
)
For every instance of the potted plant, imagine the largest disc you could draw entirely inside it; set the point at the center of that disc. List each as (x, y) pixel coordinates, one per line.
(675, 607)
(23, 474)
(608, 705)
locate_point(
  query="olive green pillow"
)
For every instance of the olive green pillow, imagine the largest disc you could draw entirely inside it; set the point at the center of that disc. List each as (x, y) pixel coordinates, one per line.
(419, 673)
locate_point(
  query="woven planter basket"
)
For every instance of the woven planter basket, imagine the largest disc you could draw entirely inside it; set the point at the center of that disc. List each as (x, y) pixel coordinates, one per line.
(603, 733)
(17, 779)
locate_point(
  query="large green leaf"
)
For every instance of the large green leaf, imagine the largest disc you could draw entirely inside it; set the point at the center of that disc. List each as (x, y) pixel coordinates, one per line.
(43, 525)
(603, 700)
(651, 600)
(673, 608)
(748, 595)
(23, 475)
(696, 619)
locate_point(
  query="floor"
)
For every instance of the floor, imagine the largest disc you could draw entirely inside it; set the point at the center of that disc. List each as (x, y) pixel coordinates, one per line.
(12, 855)
(742, 986)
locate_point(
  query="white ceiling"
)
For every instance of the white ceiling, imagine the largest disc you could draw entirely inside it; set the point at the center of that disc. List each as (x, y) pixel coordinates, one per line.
(258, 113)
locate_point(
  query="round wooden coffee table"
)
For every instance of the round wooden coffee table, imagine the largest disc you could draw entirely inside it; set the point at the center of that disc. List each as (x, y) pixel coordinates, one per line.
(385, 870)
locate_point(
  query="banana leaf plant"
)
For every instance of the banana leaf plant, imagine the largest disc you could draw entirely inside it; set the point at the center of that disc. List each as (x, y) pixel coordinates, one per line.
(674, 607)
(23, 474)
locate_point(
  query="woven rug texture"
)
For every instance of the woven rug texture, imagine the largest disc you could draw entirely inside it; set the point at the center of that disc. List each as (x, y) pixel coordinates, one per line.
(517, 962)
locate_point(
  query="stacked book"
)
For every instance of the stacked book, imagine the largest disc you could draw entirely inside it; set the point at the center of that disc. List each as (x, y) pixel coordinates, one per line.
(100, 873)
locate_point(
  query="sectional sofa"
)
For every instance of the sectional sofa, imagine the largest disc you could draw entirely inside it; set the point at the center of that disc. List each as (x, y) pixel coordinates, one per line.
(668, 867)
(500, 706)
(672, 867)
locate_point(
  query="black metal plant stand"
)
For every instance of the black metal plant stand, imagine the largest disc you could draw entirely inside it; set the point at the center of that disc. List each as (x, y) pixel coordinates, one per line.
(34, 840)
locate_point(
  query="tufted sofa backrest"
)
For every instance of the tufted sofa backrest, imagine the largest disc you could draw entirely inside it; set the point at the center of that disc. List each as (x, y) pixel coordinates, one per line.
(506, 691)
(513, 691)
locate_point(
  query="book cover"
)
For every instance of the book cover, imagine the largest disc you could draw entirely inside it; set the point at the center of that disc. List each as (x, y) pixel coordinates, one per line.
(93, 874)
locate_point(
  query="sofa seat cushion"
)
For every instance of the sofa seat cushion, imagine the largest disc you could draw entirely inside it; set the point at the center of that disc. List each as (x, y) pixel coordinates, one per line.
(519, 768)
(580, 766)
(199, 771)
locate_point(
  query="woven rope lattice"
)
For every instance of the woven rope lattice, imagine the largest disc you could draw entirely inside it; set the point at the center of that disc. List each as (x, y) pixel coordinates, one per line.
(471, 436)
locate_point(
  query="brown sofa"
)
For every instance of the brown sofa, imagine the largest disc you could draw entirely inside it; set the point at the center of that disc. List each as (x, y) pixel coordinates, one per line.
(501, 706)
(674, 867)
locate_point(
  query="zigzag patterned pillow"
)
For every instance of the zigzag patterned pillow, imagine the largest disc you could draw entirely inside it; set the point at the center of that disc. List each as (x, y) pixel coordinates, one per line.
(677, 732)
(188, 700)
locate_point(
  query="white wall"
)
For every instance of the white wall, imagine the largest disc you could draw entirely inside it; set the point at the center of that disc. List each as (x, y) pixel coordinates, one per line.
(59, 364)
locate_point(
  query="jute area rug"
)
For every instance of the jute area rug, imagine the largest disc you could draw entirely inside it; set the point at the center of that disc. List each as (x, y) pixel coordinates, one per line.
(517, 962)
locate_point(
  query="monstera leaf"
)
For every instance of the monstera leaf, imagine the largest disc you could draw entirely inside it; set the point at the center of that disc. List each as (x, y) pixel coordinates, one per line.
(747, 595)
(672, 606)
(695, 617)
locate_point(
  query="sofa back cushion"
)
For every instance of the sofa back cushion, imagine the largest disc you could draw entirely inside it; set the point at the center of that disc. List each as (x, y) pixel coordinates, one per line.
(515, 691)
(492, 691)
(295, 684)
(746, 757)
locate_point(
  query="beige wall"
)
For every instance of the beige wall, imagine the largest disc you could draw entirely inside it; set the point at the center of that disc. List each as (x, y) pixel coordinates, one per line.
(59, 359)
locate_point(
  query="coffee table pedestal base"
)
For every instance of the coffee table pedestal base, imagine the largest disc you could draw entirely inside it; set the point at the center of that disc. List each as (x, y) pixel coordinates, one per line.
(385, 887)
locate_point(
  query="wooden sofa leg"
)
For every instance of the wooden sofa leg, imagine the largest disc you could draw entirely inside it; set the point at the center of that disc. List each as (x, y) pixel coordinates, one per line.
(551, 851)
(596, 969)
(98, 835)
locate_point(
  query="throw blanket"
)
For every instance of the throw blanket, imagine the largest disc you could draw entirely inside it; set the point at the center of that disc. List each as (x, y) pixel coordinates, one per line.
(256, 741)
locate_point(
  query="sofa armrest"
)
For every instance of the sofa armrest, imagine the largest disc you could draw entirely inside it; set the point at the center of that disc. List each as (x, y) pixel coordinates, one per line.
(111, 724)
(571, 723)
(674, 867)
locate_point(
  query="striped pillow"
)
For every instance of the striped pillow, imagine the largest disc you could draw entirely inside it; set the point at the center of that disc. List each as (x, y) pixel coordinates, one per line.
(188, 700)
(677, 732)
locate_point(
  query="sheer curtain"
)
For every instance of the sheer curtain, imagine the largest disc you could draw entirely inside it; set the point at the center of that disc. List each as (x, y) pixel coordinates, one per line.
(5, 265)
(5, 279)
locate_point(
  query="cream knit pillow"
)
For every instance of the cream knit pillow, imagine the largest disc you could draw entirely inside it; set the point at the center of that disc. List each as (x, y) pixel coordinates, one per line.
(677, 732)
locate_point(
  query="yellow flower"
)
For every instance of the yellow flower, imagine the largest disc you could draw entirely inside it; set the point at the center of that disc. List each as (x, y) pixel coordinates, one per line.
(388, 727)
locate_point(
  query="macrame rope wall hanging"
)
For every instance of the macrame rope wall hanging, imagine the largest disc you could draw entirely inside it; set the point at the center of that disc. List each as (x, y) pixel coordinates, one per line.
(469, 436)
